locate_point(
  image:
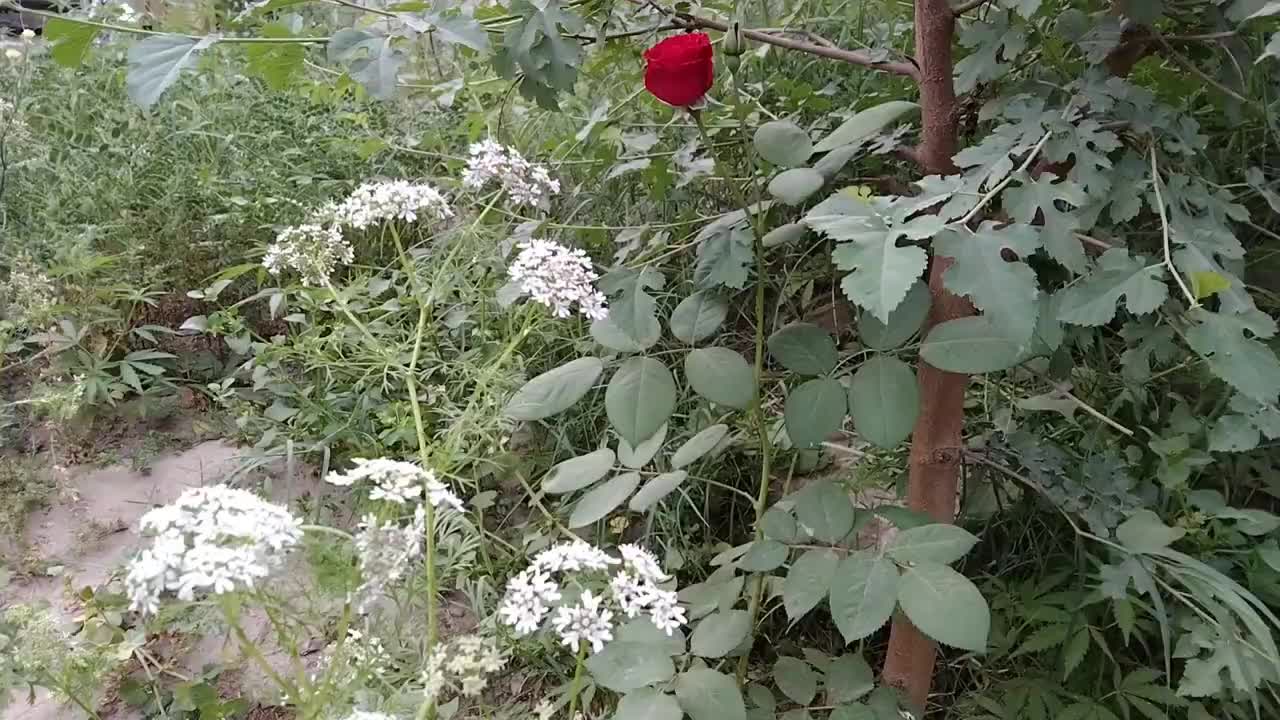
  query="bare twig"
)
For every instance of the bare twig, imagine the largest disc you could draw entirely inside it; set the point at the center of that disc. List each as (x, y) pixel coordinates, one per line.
(965, 7)
(1164, 226)
(1065, 391)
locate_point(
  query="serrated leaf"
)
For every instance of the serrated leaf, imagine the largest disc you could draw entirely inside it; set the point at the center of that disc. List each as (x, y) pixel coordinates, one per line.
(803, 348)
(695, 447)
(795, 186)
(555, 391)
(784, 235)
(814, 410)
(1005, 290)
(782, 143)
(904, 321)
(371, 60)
(849, 677)
(824, 512)
(640, 455)
(995, 45)
(579, 472)
(647, 704)
(1247, 364)
(764, 556)
(721, 376)
(1074, 652)
(724, 259)
(535, 48)
(808, 582)
(156, 62)
(945, 605)
(795, 679)
(603, 500)
(632, 310)
(1041, 196)
(1145, 532)
(69, 40)
(882, 272)
(865, 124)
(935, 543)
(720, 633)
(864, 591)
(1093, 300)
(969, 346)
(708, 695)
(884, 400)
(699, 316)
(459, 29)
(640, 398)
(657, 489)
(1049, 636)
(627, 666)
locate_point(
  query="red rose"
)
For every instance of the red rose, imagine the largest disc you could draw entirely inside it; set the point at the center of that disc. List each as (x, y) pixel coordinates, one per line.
(679, 70)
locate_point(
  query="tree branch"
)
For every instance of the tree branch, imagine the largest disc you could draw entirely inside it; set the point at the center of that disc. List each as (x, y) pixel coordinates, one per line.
(965, 7)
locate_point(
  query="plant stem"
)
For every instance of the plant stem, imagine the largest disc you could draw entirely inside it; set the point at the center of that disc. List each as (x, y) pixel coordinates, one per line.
(250, 649)
(577, 679)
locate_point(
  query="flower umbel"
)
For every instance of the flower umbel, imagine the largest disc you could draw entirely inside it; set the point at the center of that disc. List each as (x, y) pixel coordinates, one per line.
(526, 183)
(311, 250)
(462, 665)
(385, 550)
(585, 622)
(216, 539)
(397, 481)
(375, 202)
(558, 277)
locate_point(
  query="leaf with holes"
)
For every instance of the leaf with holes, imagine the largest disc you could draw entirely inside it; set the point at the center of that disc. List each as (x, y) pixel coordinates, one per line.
(720, 375)
(1223, 341)
(1005, 290)
(1041, 196)
(640, 398)
(884, 400)
(1093, 300)
(864, 591)
(814, 411)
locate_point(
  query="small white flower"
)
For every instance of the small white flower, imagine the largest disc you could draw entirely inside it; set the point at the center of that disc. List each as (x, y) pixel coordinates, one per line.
(438, 494)
(573, 557)
(525, 183)
(463, 663)
(375, 202)
(665, 613)
(397, 481)
(585, 622)
(633, 595)
(13, 54)
(28, 34)
(528, 600)
(312, 250)
(643, 563)
(558, 277)
(545, 710)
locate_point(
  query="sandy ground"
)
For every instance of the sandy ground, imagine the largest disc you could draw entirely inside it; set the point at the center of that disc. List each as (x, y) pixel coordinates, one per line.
(92, 533)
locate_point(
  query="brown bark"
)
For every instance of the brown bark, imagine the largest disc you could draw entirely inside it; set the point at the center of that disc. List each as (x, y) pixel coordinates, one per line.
(936, 447)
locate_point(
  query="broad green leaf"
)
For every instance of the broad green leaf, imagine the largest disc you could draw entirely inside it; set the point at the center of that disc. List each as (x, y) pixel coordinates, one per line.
(1058, 231)
(904, 321)
(371, 60)
(994, 43)
(69, 40)
(764, 556)
(724, 258)
(601, 501)
(780, 525)
(556, 390)
(815, 410)
(849, 677)
(1093, 300)
(156, 62)
(784, 235)
(824, 512)
(648, 704)
(853, 711)
(626, 666)
(720, 375)
(864, 591)
(809, 581)
(833, 162)
(1250, 521)
(695, 447)
(699, 316)
(1233, 433)
(641, 630)
(1206, 283)
(536, 49)
(708, 695)
(606, 332)
(865, 124)
(804, 348)
(936, 543)
(1271, 50)
(784, 144)
(276, 63)
(969, 345)
(795, 186)
(632, 310)
(640, 455)
(579, 472)
(884, 400)
(657, 489)
(882, 273)
(1004, 290)
(795, 679)
(720, 633)
(1247, 364)
(459, 29)
(762, 697)
(640, 398)
(945, 605)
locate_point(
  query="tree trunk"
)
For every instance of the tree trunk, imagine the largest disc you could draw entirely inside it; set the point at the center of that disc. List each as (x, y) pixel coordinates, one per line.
(936, 447)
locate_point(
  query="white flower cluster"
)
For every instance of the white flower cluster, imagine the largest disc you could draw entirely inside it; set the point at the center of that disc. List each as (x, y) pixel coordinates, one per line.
(359, 655)
(385, 550)
(397, 481)
(634, 588)
(526, 183)
(214, 539)
(374, 202)
(28, 296)
(558, 277)
(463, 664)
(312, 250)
